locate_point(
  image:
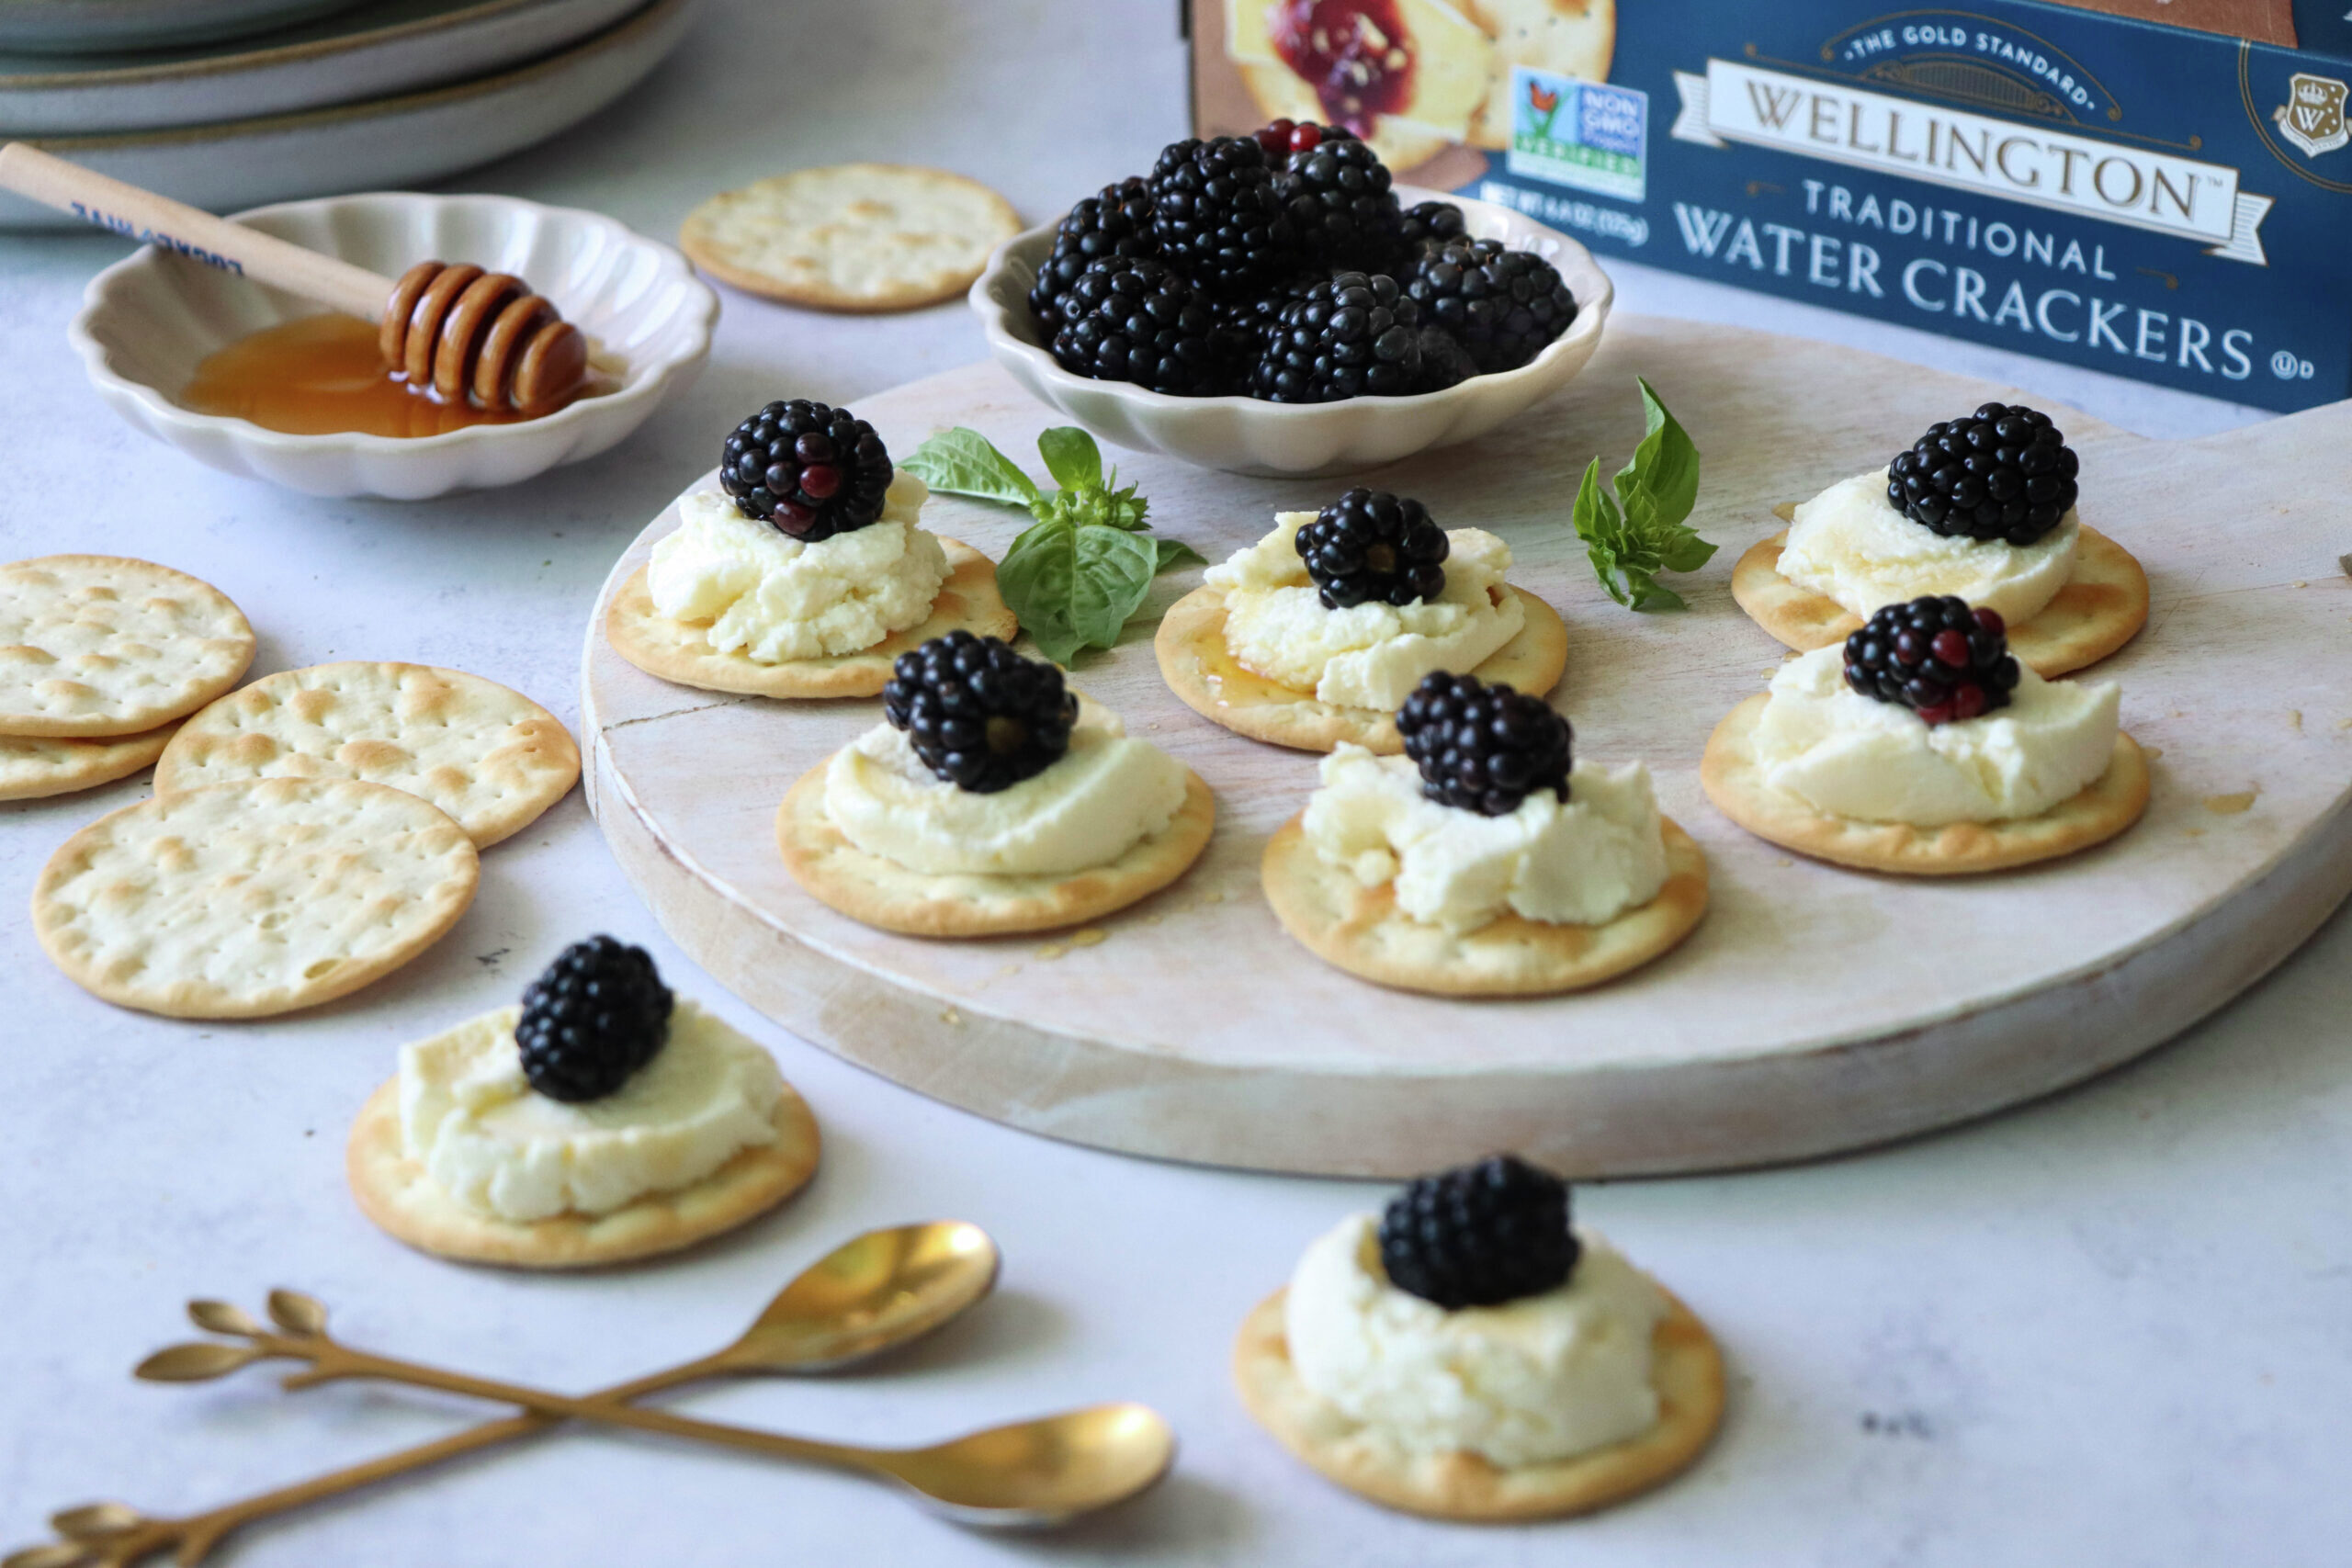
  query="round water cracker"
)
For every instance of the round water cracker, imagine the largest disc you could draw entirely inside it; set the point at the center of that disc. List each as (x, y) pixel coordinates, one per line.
(396, 1193)
(1566, 38)
(883, 894)
(246, 900)
(1687, 1369)
(681, 651)
(1361, 931)
(1733, 780)
(855, 237)
(1202, 670)
(2102, 606)
(108, 646)
(33, 767)
(490, 758)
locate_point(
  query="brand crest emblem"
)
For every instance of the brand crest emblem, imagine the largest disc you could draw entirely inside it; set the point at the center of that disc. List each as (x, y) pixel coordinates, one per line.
(2312, 116)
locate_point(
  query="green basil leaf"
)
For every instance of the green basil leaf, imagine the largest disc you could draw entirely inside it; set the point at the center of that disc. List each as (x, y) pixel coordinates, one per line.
(1661, 484)
(1599, 525)
(1123, 508)
(962, 462)
(1645, 529)
(1176, 552)
(1038, 577)
(1071, 457)
(1115, 573)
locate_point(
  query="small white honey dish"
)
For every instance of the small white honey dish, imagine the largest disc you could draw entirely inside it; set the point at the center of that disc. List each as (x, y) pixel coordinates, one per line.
(147, 321)
(1251, 435)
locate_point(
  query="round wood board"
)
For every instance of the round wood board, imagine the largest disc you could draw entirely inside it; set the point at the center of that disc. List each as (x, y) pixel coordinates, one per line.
(1814, 1009)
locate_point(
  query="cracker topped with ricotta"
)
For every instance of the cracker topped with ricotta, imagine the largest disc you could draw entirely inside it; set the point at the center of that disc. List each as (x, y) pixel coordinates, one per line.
(1493, 866)
(1258, 649)
(801, 568)
(1469, 1353)
(991, 800)
(599, 1121)
(1982, 507)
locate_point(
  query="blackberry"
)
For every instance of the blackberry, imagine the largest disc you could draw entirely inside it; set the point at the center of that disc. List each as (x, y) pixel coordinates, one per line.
(1132, 319)
(1480, 1236)
(1423, 225)
(1370, 546)
(1114, 221)
(1503, 305)
(981, 717)
(809, 470)
(1355, 335)
(1215, 214)
(1340, 204)
(1444, 362)
(1252, 319)
(592, 1018)
(1936, 657)
(1481, 748)
(2004, 472)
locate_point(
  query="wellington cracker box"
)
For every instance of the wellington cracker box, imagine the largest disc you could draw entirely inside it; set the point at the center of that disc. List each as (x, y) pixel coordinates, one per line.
(2170, 200)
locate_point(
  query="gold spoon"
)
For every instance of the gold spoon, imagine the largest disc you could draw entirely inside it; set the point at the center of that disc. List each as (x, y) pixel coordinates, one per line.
(1041, 1472)
(873, 1293)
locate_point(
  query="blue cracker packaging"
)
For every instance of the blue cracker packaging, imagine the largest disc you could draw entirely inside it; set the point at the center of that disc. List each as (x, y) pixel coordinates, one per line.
(2166, 201)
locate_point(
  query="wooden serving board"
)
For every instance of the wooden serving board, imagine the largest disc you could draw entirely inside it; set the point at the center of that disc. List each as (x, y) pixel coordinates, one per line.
(1814, 1009)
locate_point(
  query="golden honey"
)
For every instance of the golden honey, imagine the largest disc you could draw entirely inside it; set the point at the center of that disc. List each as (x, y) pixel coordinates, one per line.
(326, 376)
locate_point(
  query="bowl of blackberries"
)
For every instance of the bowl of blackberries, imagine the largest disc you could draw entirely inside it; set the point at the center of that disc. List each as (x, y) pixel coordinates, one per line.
(1275, 304)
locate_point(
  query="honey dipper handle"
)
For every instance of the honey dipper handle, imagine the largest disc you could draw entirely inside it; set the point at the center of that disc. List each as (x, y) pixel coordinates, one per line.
(143, 215)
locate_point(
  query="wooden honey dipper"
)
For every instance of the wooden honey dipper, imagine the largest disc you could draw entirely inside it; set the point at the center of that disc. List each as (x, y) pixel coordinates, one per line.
(450, 330)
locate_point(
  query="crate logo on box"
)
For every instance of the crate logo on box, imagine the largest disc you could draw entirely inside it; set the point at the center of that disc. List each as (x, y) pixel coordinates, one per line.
(2312, 116)
(1586, 135)
(1835, 122)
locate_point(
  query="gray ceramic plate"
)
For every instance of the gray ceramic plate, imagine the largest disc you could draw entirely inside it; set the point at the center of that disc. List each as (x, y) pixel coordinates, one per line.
(375, 52)
(79, 26)
(380, 145)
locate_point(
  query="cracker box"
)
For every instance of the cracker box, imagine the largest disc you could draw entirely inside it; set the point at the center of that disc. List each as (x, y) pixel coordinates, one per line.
(2166, 199)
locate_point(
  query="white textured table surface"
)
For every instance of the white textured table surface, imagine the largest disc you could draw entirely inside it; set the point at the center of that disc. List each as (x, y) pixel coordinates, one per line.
(2113, 1327)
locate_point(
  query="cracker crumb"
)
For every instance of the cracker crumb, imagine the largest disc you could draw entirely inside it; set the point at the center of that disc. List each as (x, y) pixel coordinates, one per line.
(1010, 970)
(1051, 951)
(949, 1015)
(1785, 860)
(2233, 805)
(1092, 936)
(2295, 720)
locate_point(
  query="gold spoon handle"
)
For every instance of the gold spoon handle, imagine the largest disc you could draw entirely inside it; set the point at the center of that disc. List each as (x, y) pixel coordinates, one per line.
(332, 1361)
(194, 1536)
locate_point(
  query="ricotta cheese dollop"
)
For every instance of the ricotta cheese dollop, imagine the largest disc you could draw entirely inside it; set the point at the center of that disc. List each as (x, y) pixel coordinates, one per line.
(1370, 655)
(1099, 799)
(1539, 1378)
(1582, 862)
(773, 598)
(1851, 545)
(1854, 756)
(497, 1146)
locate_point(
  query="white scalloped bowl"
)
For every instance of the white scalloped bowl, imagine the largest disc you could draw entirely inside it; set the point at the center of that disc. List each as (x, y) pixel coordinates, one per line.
(1250, 435)
(146, 322)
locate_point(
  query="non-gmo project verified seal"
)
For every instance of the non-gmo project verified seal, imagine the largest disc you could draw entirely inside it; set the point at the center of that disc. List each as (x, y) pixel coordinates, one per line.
(1588, 135)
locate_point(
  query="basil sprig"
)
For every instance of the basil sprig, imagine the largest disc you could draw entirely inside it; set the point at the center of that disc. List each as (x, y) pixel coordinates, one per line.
(1643, 530)
(1076, 574)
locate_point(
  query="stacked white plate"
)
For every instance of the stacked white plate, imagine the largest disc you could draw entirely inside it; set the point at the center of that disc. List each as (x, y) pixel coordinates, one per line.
(371, 95)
